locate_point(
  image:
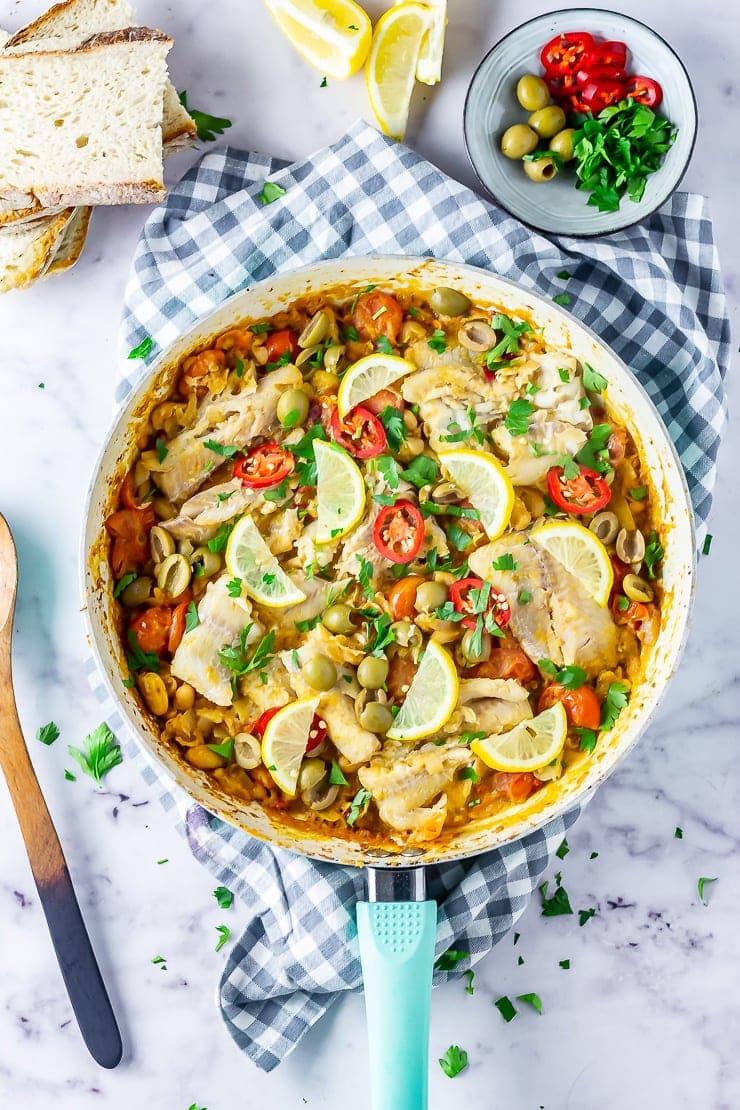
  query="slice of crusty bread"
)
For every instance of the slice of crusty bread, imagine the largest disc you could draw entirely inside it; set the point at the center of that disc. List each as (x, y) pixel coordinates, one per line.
(84, 126)
(73, 22)
(26, 251)
(69, 246)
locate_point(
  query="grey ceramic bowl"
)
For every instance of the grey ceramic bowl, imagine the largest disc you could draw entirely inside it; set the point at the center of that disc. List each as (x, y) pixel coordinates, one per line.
(491, 106)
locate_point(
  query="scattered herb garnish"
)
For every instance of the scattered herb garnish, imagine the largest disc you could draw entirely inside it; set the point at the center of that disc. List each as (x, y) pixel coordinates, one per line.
(336, 778)
(100, 755)
(594, 452)
(383, 344)
(161, 446)
(558, 904)
(588, 738)
(707, 543)
(593, 381)
(324, 83)
(261, 329)
(701, 884)
(450, 959)
(218, 542)
(524, 597)
(224, 932)
(639, 493)
(48, 733)
(392, 420)
(532, 1000)
(304, 451)
(421, 471)
(365, 576)
(654, 553)
(504, 562)
(517, 418)
(454, 1061)
(678, 834)
(225, 749)
(161, 961)
(563, 274)
(565, 964)
(271, 191)
(143, 348)
(563, 850)
(505, 1007)
(470, 976)
(438, 342)
(239, 661)
(226, 451)
(70, 777)
(122, 583)
(192, 620)
(308, 623)
(512, 334)
(358, 805)
(234, 587)
(562, 299)
(615, 701)
(223, 896)
(570, 676)
(585, 915)
(208, 127)
(136, 658)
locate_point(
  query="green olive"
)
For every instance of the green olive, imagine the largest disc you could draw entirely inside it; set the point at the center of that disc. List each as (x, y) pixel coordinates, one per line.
(376, 717)
(209, 560)
(448, 302)
(429, 596)
(372, 672)
(338, 618)
(174, 574)
(547, 121)
(475, 652)
(316, 330)
(137, 592)
(319, 672)
(532, 92)
(562, 144)
(541, 169)
(518, 140)
(161, 543)
(292, 408)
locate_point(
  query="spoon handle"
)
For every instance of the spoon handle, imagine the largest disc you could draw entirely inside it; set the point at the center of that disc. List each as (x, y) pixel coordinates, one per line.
(69, 936)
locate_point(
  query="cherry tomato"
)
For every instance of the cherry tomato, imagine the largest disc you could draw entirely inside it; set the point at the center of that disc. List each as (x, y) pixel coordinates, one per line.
(127, 495)
(130, 531)
(635, 613)
(517, 787)
(177, 627)
(612, 53)
(281, 341)
(360, 433)
(589, 492)
(152, 628)
(383, 399)
(598, 73)
(566, 53)
(645, 91)
(464, 603)
(316, 735)
(402, 595)
(398, 531)
(378, 314)
(264, 466)
(507, 660)
(597, 95)
(582, 707)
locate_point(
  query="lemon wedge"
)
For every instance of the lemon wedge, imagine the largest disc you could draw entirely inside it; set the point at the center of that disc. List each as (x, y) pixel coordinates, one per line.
(391, 66)
(285, 741)
(486, 485)
(367, 377)
(527, 747)
(332, 35)
(340, 492)
(249, 559)
(429, 65)
(431, 698)
(580, 552)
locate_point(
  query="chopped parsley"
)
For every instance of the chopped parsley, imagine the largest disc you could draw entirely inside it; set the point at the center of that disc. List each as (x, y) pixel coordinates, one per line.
(122, 583)
(261, 329)
(351, 333)
(271, 192)
(223, 896)
(309, 623)
(224, 932)
(143, 348)
(336, 778)
(585, 915)
(438, 342)
(504, 562)
(358, 805)
(563, 850)
(565, 964)
(137, 659)
(558, 904)
(303, 450)
(218, 542)
(562, 299)
(700, 886)
(615, 701)
(192, 620)
(221, 497)
(380, 631)
(48, 733)
(594, 452)
(234, 587)
(421, 471)
(226, 451)
(387, 467)
(571, 677)
(524, 597)
(531, 388)
(517, 418)
(324, 83)
(69, 776)
(470, 976)
(450, 959)
(469, 773)
(454, 1061)
(240, 661)
(532, 1000)
(707, 543)
(593, 381)
(100, 755)
(160, 961)
(639, 493)
(392, 420)
(678, 834)
(563, 274)
(161, 446)
(654, 553)
(365, 576)
(383, 344)
(226, 749)
(505, 1007)
(588, 738)
(512, 334)
(457, 537)
(208, 127)
(623, 603)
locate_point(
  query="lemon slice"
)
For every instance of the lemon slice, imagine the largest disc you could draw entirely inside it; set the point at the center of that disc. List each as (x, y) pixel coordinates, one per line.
(332, 35)
(340, 492)
(249, 558)
(391, 66)
(485, 484)
(429, 65)
(367, 377)
(580, 552)
(285, 741)
(527, 747)
(431, 698)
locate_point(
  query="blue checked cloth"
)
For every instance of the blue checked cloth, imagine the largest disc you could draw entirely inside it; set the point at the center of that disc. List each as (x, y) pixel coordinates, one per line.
(653, 293)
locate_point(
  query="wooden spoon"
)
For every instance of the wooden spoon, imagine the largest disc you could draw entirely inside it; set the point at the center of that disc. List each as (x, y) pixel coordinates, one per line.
(74, 952)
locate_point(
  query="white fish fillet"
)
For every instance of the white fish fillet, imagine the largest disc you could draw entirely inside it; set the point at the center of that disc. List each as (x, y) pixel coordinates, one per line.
(409, 789)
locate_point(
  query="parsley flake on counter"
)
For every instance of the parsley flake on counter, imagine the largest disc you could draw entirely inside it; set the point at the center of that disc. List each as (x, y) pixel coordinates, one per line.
(558, 904)
(69, 776)
(565, 964)
(48, 733)
(194, 1107)
(42, 385)
(562, 299)
(271, 192)
(563, 275)
(520, 961)
(224, 932)
(517, 418)
(593, 381)
(563, 850)
(615, 701)
(516, 937)
(207, 127)
(505, 1007)
(143, 348)
(532, 1000)
(706, 546)
(594, 855)
(470, 976)
(161, 961)
(100, 755)
(163, 860)
(324, 83)
(700, 886)
(678, 834)
(454, 1061)
(224, 897)
(585, 915)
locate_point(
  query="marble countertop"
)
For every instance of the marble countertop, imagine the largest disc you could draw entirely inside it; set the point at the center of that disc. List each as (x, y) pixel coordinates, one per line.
(647, 1016)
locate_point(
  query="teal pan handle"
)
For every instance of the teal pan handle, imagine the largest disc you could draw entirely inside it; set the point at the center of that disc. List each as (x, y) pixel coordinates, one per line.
(397, 955)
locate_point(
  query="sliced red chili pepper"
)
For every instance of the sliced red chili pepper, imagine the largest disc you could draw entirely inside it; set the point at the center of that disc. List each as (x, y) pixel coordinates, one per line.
(316, 735)
(561, 85)
(645, 91)
(566, 53)
(360, 433)
(599, 73)
(398, 531)
(598, 95)
(612, 52)
(589, 492)
(281, 341)
(460, 597)
(263, 466)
